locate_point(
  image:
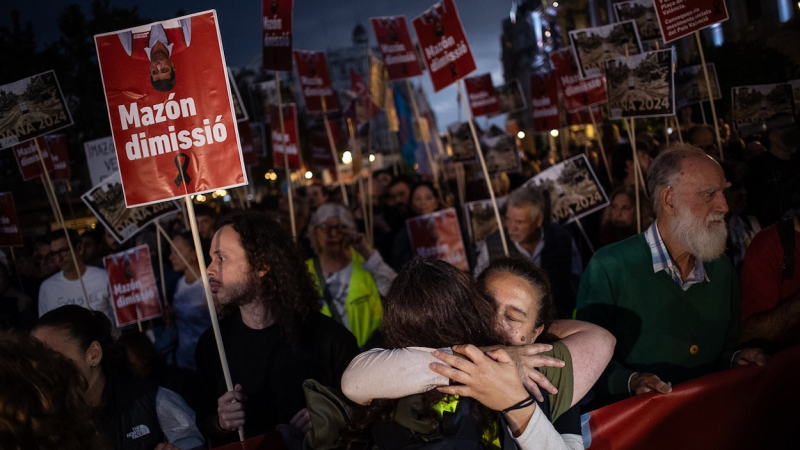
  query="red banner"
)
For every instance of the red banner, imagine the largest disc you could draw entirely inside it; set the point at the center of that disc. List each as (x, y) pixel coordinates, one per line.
(438, 235)
(682, 18)
(290, 140)
(249, 154)
(444, 44)
(57, 145)
(28, 158)
(170, 108)
(321, 156)
(482, 95)
(315, 80)
(394, 41)
(10, 233)
(133, 286)
(743, 408)
(276, 31)
(582, 117)
(579, 93)
(544, 101)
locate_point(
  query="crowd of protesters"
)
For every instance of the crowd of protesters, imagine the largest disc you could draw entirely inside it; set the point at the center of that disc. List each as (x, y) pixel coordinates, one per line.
(706, 278)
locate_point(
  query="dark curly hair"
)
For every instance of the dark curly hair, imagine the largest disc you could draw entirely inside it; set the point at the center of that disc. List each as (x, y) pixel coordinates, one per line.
(42, 405)
(432, 304)
(288, 292)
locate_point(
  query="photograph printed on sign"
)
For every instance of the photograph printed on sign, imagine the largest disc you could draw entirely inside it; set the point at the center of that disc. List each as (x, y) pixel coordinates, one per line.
(108, 204)
(481, 222)
(511, 98)
(579, 93)
(238, 107)
(394, 42)
(438, 235)
(276, 33)
(444, 45)
(170, 108)
(644, 13)
(461, 142)
(756, 109)
(101, 157)
(593, 46)
(132, 282)
(573, 187)
(690, 85)
(500, 153)
(32, 107)
(641, 86)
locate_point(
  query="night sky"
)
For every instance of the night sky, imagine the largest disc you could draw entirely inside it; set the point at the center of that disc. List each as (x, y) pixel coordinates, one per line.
(318, 25)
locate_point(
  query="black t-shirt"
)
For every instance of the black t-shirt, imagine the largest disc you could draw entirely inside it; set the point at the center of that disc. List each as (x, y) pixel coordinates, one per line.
(270, 369)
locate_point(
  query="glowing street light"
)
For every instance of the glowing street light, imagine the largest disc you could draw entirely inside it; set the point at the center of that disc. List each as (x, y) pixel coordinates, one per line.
(554, 133)
(309, 175)
(521, 135)
(347, 157)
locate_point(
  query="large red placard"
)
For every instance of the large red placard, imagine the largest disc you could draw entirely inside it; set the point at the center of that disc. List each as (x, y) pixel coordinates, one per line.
(57, 145)
(174, 129)
(482, 95)
(579, 93)
(276, 33)
(679, 18)
(315, 80)
(133, 286)
(290, 141)
(444, 44)
(28, 158)
(10, 232)
(438, 235)
(396, 47)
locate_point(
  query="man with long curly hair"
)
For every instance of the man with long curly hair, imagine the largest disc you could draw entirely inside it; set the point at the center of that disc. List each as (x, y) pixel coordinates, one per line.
(274, 335)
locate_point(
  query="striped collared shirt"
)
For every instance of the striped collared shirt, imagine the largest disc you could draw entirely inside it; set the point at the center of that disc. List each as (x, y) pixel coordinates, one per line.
(662, 260)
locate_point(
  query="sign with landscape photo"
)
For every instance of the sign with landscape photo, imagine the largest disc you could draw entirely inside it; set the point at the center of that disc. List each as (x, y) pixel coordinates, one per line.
(592, 46)
(759, 108)
(641, 86)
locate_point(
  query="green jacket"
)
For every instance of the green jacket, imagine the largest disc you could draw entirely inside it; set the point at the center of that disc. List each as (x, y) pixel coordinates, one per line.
(363, 303)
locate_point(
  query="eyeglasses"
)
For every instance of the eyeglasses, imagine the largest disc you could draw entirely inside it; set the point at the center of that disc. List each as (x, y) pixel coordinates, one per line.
(341, 228)
(63, 253)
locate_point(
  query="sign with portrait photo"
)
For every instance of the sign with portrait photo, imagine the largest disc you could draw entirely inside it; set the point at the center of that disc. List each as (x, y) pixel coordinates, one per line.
(444, 44)
(315, 81)
(394, 42)
(276, 33)
(133, 286)
(438, 236)
(169, 103)
(592, 46)
(641, 86)
(32, 107)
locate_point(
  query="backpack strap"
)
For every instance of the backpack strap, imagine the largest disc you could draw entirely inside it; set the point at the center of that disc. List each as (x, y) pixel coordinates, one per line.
(327, 297)
(786, 234)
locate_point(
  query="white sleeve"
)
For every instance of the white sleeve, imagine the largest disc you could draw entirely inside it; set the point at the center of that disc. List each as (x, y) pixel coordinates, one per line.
(381, 272)
(177, 421)
(366, 377)
(540, 435)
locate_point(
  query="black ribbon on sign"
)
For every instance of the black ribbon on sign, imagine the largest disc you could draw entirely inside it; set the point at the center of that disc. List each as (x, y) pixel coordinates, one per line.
(717, 10)
(453, 73)
(183, 175)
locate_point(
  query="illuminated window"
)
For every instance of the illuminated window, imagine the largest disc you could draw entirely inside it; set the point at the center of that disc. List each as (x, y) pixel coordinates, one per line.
(785, 10)
(716, 34)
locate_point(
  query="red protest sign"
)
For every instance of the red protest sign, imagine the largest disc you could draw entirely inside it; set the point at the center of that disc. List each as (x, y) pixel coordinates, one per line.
(544, 101)
(174, 132)
(394, 41)
(28, 158)
(444, 44)
(679, 18)
(582, 116)
(10, 233)
(482, 96)
(438, 235)
(133, 286)
(57, 145)
(579, 93)
(321, 155)
(276, 33)
(290, 141)
(315, 80)
(248, 147)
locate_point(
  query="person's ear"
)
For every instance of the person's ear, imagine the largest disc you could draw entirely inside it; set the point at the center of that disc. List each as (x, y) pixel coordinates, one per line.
(263, 272)
(667, 198)
(94, 354)
(536, 332)
(539, 220)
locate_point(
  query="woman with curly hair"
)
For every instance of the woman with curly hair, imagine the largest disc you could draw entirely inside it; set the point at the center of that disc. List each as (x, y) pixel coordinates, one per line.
(274, 336)
(42, 406)
(131, 412)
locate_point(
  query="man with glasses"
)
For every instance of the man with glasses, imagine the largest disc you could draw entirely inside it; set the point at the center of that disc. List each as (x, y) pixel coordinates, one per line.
(64, 288)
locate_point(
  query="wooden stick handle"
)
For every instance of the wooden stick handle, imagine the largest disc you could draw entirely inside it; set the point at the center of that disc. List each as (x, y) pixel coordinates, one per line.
(286, 158)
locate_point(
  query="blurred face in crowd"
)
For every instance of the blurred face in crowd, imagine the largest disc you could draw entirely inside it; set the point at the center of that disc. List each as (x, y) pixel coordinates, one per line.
(89, 247)
(110, 241)
(316, 196)
(181, 247)
(205, 226)
(232, 279)
(524, 223)
(698, 222)
(41, 255)
(517, 307)
(381, 182)
(623, 211)
(398, 196)
(59, 252)
(424, 201)
(332, 236)
(704, 140)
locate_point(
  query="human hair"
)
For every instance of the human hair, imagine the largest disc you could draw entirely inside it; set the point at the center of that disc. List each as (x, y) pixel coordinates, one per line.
(164, 85)
(70, 234)
(141, 346)
(665, 169)
(42, 405)
(380, 172)
(289, 293)
(321, 215)
(405, 179)
(205, 211)
(527, 196)
(694, 130)
(420, 185)
(432, 304)
(187, 236)
(534, 276)
(645, 209)
(84, 327)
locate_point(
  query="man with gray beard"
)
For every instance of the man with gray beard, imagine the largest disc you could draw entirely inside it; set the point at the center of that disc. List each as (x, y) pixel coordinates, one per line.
(669, 295)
